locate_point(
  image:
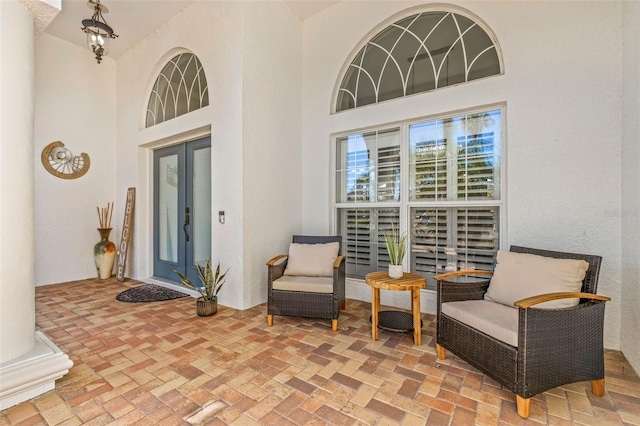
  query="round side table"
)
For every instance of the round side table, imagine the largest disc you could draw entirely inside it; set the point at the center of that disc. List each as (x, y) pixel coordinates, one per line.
(394, 320)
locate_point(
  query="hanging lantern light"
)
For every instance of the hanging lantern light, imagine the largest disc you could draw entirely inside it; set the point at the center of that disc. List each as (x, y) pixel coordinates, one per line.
(97, 30)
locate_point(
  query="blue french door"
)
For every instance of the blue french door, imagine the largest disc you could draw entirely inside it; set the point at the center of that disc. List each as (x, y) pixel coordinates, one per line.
(182, 209)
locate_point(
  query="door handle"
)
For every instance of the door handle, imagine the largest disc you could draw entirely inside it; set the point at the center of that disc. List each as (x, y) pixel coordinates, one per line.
(186, 223)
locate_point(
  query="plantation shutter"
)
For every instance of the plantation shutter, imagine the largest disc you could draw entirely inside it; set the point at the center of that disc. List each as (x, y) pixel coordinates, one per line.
(429, 171)
(355, 225)
(461, 238)
(362, 232)
(429, 237)
(477, 237)
(475, 167)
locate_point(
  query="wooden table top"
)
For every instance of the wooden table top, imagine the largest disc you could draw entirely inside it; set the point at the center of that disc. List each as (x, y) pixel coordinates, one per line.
(408, 281)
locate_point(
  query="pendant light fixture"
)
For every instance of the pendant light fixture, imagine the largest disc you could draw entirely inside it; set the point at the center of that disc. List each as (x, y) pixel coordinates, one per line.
(97, 30)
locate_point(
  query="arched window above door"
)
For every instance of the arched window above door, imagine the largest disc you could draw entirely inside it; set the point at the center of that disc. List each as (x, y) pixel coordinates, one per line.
(419, 53)
(181, 87)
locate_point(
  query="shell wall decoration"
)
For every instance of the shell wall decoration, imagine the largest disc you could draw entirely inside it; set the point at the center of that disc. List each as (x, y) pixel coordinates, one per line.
(60, 162)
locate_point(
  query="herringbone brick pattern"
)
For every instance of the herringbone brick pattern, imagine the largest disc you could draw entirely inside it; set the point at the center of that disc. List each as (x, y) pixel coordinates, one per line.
(158, 363)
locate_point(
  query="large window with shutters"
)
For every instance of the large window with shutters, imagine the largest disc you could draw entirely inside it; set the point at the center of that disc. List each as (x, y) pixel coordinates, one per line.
(437, 179)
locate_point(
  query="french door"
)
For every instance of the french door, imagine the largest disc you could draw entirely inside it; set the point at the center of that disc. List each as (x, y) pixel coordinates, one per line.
(182, 209)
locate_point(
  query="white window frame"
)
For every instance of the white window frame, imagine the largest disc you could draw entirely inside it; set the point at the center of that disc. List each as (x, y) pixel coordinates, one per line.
(404, 205)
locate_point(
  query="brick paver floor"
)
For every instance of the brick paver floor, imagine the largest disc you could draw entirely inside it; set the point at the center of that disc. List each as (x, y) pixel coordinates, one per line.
(159, 364)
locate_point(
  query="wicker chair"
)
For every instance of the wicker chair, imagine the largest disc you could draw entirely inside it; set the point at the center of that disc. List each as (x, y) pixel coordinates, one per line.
(554, 346)
(307, 303)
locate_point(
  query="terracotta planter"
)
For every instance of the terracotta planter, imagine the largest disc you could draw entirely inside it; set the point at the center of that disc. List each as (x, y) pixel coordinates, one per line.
(206, 308)
(395, 271)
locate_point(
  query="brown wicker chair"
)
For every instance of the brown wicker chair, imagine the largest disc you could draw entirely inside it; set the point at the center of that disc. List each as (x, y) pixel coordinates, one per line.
(305, 303)
(555, 346)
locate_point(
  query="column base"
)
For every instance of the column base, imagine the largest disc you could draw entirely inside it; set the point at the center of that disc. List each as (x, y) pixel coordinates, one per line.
(33, 373)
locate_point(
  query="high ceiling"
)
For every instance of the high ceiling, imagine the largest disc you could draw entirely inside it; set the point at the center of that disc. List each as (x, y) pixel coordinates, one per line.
(133, 20)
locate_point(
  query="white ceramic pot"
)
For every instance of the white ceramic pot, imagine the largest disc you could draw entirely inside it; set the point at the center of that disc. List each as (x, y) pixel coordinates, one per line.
(395, 271)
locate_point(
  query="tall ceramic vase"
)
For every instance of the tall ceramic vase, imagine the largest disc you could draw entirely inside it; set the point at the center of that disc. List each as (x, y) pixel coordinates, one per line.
(104, 253)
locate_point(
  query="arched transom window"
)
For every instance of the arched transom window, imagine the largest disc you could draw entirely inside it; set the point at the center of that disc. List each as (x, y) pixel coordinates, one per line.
(422, 52)
(180, 88)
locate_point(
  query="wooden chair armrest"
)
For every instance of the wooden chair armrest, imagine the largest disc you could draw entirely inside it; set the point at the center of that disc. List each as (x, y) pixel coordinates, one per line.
(458, 273)
(540, 298)
(276, 259)
(338, 261)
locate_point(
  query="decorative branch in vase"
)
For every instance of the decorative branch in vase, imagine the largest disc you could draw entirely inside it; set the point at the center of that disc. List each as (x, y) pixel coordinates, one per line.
(396, 248)
(104, 215)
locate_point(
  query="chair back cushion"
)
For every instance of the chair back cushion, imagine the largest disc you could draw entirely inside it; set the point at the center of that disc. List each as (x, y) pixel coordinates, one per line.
(318, 239)
(590, 282)
(521, 275)
(312, 260)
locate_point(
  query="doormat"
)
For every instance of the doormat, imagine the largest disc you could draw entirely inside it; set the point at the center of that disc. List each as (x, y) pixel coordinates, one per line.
(148, 293)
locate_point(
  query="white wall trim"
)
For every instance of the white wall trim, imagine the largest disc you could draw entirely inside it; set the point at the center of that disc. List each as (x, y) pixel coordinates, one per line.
(144, 194)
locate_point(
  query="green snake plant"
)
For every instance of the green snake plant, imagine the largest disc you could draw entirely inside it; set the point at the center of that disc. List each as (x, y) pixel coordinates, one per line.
(211, 281)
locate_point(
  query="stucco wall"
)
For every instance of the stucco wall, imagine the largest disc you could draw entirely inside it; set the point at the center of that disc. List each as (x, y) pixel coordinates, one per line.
(254, 120)
(74, 104)
(17, 298)
(221, 56)
(630, 209)
(562, 88)
(272, 131)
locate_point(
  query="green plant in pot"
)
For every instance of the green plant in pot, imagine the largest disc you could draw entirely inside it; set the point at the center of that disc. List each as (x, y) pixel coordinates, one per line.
(212, 282)
(396, 248)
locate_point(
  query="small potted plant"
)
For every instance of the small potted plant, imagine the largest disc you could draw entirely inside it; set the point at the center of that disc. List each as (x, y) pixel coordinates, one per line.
(212, 282)
(396, 248)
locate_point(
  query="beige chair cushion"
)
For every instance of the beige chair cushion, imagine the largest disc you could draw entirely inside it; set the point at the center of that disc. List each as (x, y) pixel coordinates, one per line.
(312, 260)
(496, 320)
(298, 283)
(520, 275)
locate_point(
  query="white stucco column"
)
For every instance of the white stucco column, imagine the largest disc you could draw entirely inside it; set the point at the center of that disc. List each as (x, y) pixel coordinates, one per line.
(29, 362)
(17, 312)
(630, 211)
